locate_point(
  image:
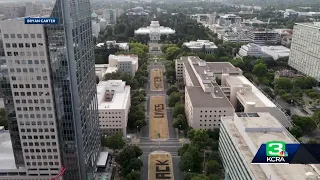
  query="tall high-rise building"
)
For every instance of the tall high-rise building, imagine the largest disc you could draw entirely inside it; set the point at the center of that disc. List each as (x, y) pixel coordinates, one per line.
(305, 54)
(51, 72)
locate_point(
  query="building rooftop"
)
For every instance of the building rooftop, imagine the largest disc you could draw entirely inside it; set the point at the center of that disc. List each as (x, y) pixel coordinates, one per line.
(6, 152)
(121, 94)
(276, 51)
(207, 99)
(102, 159)
(133, 58)
(230, 16)
(199, 44)
(199, 98)
(123, 46)
(248, 133)
(252, 94)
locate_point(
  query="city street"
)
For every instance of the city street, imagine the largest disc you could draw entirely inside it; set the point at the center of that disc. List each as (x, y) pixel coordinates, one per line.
(170, 145)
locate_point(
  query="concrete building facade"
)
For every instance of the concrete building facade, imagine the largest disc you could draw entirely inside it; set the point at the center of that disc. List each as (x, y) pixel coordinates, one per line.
(262, 37)
(113, 104)
(305, 54)
(240, 138)
(204, 46)
(205, 99)
(54, 95)
(205, 103)
(125, 63)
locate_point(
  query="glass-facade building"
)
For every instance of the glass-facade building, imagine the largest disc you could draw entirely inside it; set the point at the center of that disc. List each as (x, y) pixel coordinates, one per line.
(71, 54)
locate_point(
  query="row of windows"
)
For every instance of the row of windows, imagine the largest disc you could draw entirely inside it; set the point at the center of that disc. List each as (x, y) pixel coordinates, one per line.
(211, 115)
(25, 70)
(41, 53)
(32, 85)
(209, 120)
(41, 143)
(29, 61)
(214, 111)
(42, 157)
(109, 112)
(24, 36)
(35, 129)
(42, 150)
(209, 124)
(113, 125)
(109, 117)
(21, 45)
(34, 108)
(40, 164)
(36, 101)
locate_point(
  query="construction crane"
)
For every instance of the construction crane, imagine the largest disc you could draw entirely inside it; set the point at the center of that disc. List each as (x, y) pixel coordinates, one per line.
(61, 172)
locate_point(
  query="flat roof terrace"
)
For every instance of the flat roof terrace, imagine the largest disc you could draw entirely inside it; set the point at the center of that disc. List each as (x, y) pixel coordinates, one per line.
(256, 136)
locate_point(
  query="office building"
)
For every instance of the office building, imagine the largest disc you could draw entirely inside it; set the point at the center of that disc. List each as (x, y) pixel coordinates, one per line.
(228, 19)
(113, 104)
(240, 138)
(33, 8)
(103, 69)
(290, 14)
(235, 37)
(262, 37)
(103, 24)
(246, 97)
(124, 63)
(204, 46)
(110, 15)
(13, 10)
(205, 103)
(122, 46)
(305, 54)
(235, 93)
(274, 52)
(54, 95)
(95, 28)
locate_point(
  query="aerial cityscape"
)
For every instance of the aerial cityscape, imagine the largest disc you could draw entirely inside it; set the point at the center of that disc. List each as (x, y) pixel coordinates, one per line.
(159, 90)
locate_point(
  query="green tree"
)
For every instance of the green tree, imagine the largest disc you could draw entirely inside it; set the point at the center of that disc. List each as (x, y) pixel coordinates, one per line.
(283, 83)
(172, 53)
(174, 98)
(210, 58)
(200, 177)
(187, 162)
(213, 167)
(307, 124)
(296, 131)
(115, 141)
(214, 177)
(183, 149)
(127, 154)
(305, 82)
(238, 63)
(260, 69)
(134, 165)
(180, 122)
(214, 134)
(178, 109)
(3, 118)
(172, 89)
(134, 175)
(199, 138)
(316, 116)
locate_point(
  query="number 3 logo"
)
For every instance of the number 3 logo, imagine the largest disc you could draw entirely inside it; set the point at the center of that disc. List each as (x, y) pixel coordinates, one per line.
(274, 148)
